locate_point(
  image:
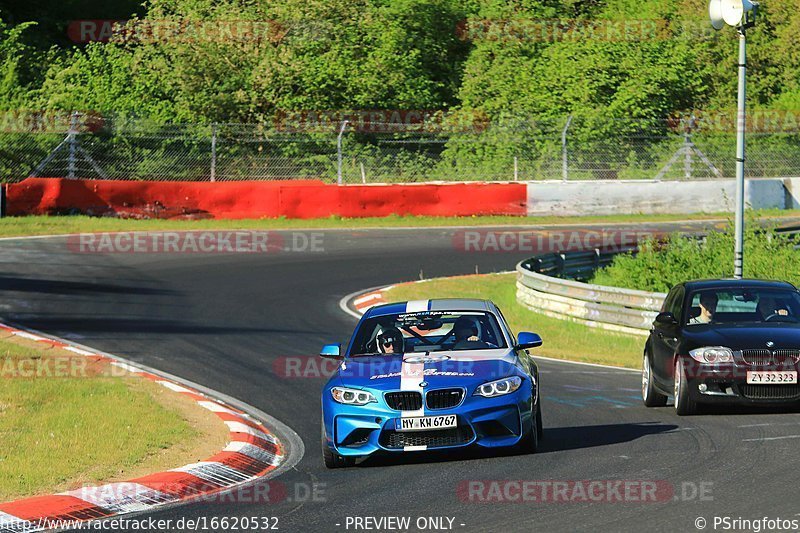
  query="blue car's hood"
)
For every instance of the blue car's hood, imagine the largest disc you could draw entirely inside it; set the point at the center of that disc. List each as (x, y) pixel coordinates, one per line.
(440, 369)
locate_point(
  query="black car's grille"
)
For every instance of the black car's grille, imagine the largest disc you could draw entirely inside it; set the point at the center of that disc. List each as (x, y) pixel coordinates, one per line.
(787, 356)
(404, 400)
(767, 357)
(444, 398)
(757, 357)
(771, 392)
(432, 439)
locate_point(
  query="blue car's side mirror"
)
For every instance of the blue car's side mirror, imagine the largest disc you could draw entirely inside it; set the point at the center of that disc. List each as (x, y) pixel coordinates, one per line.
(528, 340)
(333, 351)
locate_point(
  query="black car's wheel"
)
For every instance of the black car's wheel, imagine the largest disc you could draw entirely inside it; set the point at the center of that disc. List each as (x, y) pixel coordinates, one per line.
(650, 396)
(684, 405)
(333, 459)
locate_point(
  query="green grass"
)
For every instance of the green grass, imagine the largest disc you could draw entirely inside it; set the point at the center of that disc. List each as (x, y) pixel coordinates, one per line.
(52, 225)
(59, 432)
(660, 265)
(563, 339)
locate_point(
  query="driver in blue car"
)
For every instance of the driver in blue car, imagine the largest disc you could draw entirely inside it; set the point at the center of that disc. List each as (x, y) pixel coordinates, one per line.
(390, 340)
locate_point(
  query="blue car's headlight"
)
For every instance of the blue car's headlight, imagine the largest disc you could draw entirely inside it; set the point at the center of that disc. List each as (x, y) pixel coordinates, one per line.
(352, 396)
(499, 387)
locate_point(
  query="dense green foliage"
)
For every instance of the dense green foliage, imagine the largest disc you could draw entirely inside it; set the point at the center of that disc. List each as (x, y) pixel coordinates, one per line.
(660, 265)
(400, 54)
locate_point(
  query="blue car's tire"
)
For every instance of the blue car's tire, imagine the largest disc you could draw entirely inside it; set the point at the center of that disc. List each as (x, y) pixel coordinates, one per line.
(333, 459)
(539, 426)
(529, 443)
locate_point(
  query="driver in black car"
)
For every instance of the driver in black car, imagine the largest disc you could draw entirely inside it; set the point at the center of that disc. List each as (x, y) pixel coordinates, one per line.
(390, 340)
(769, 307)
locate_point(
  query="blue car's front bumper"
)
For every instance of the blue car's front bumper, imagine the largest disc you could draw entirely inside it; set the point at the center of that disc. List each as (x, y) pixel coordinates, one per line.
(489, 422)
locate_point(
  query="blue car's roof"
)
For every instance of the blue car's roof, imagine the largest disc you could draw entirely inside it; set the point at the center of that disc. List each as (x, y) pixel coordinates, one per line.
(440, 304)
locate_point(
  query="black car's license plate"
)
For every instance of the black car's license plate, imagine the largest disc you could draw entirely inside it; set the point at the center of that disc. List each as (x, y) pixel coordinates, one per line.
(767, 377)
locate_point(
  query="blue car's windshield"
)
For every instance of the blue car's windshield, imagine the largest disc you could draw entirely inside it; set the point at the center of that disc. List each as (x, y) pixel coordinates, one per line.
(429, 331)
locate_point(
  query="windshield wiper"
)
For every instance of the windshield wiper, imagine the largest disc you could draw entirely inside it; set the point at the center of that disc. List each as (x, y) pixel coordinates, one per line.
(373, 353)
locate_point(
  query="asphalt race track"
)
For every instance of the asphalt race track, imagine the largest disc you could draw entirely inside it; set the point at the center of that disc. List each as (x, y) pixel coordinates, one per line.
(223, 320)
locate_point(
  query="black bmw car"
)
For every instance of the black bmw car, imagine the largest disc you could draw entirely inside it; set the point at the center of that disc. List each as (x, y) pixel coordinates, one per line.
(724, 341)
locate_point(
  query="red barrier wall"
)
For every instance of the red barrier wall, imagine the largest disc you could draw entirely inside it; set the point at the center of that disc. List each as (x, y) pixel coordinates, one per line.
(261, 199)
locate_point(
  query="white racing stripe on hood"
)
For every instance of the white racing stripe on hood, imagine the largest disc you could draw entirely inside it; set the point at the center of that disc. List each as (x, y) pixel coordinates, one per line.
(411, 375)
(417, 306)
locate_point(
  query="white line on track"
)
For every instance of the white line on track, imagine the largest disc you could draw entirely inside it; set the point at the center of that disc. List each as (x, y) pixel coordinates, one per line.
(769, 424)
(772, 438)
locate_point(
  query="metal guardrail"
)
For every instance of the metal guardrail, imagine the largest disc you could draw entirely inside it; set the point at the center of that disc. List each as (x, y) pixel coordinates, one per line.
(612, 308)
(792, 232)
(553, 284)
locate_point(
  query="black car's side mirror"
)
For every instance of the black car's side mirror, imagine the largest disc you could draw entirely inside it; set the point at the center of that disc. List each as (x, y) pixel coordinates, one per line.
(666, 319)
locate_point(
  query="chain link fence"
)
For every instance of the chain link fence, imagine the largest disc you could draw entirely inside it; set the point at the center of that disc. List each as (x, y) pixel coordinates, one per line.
(380, 152)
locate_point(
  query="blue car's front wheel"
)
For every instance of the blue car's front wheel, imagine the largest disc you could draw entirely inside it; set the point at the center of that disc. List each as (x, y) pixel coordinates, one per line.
(529, 443)
(331, 458)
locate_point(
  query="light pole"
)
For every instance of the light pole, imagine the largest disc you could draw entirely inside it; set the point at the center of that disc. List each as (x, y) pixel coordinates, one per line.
(740, 14)
(339, 152)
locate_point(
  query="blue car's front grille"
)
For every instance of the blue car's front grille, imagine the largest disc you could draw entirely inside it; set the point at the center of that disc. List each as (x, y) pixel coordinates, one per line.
(404, 400)
(444, 398)
(432, 439)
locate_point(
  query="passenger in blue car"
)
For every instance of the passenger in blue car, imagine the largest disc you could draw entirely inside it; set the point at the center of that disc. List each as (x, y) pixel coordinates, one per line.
(390, 341)
(467, 330)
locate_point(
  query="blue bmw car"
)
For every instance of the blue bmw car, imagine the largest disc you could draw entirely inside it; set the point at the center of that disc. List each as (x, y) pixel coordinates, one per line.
(431, 375)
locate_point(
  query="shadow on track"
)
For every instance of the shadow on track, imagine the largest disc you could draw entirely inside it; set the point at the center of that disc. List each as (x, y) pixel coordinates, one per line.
(579, 437)
(140, 326)
(555, 440)
(50, 286)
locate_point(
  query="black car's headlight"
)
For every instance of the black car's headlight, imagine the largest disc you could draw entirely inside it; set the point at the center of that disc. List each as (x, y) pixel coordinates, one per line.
(499, 387)
(352, 396)
(712, 354)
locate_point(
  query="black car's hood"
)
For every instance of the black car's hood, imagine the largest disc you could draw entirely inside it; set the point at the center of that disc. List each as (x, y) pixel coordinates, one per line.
(743, 336)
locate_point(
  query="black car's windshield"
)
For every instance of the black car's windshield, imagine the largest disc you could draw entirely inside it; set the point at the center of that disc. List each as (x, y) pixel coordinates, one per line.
(429, 331)
(721, 306)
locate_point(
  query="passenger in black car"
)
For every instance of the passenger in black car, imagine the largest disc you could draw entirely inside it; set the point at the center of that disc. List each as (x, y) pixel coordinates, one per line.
(708, 306)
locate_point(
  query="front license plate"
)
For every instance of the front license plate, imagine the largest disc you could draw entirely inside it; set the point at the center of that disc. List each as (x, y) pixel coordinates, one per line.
(771, 378)
(425, 423)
